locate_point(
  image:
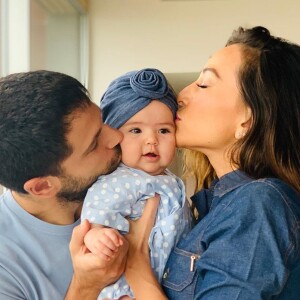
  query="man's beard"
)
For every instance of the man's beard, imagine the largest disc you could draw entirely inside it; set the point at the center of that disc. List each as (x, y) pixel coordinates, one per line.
(74, 189)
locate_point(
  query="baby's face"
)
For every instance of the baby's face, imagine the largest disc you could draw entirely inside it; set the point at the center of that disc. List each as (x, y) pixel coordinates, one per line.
(149, 139)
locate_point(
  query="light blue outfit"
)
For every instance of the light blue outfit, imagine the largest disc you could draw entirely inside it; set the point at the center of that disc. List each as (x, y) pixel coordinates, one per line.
(35, 263)
(123, 193)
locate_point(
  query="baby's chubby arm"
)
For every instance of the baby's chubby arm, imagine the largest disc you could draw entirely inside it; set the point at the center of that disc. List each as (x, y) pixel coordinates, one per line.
(103, 241)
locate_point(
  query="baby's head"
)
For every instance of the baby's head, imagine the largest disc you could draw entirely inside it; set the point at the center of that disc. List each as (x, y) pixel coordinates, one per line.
(143, 106)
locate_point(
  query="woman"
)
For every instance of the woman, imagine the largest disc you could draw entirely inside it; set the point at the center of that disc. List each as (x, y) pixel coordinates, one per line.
(240, 122)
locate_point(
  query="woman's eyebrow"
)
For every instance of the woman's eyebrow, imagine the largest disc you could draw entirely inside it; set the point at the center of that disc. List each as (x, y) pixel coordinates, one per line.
(212, 70)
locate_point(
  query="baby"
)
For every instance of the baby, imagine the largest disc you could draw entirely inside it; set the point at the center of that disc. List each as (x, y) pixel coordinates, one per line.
(142, 105)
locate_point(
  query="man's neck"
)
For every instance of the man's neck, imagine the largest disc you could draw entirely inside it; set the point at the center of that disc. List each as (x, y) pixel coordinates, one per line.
(49, 210)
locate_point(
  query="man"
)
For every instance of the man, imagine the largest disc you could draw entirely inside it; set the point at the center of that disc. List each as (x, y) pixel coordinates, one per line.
(53, 146)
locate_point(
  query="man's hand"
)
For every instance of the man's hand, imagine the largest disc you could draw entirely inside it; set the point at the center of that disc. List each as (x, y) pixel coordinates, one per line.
(92, 273)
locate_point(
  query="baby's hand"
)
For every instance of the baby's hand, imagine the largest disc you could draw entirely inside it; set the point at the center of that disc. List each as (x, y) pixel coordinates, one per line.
(103, 242)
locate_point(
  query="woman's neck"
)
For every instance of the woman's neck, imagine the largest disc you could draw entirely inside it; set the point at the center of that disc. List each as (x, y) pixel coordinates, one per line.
(221, 164)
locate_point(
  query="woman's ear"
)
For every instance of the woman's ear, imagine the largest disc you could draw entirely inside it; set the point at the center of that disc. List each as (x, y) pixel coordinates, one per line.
(244, 125)
(42, 186)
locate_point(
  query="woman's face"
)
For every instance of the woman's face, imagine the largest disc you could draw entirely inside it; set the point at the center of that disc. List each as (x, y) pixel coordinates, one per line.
(212, 112)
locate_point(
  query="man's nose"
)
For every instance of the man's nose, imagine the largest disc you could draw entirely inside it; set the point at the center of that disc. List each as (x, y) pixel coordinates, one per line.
(113, 136)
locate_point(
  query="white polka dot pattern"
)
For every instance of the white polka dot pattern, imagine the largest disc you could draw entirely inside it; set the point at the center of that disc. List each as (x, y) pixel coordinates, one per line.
(122, 194)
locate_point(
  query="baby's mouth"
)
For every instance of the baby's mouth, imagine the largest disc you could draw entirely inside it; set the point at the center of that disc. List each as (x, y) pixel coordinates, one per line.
(150, 154)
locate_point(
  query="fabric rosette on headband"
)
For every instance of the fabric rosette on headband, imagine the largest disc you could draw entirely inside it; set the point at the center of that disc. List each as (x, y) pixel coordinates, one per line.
(130, 93)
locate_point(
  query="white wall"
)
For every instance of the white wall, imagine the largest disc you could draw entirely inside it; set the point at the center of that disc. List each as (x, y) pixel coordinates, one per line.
(174, 36)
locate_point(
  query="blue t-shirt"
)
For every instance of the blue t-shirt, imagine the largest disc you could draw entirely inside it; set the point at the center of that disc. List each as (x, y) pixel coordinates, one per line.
(246, 246)
(35, 262)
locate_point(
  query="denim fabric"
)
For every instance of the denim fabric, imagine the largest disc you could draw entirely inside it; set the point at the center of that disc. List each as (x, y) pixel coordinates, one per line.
(247, 246)
(133, 91)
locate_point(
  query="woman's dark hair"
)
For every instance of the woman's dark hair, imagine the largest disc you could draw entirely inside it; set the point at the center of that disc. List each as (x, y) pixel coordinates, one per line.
(36, 109)
(269, 80)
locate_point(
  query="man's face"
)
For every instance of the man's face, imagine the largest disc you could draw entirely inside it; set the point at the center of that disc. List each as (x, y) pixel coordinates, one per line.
(96, 151)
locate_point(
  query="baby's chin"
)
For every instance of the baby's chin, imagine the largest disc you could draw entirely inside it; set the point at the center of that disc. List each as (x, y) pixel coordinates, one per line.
(148, 168)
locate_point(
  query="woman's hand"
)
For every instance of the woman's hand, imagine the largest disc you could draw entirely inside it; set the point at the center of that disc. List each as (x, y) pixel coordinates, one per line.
(138, 271)
(140, 229)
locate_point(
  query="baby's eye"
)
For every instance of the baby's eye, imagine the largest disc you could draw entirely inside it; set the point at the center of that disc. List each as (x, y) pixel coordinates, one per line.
(164, 130)
(135, 130)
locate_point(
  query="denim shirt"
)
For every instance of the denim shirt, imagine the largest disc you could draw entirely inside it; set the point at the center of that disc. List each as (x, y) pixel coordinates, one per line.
(246, 246)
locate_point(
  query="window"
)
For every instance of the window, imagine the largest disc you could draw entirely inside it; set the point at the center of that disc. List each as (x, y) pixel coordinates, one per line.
(44, 34)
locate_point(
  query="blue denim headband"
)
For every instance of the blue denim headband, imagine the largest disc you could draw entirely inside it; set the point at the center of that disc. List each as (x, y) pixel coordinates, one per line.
(130, 93)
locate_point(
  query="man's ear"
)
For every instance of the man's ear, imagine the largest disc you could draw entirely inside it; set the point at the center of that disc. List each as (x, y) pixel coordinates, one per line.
(43, 186)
